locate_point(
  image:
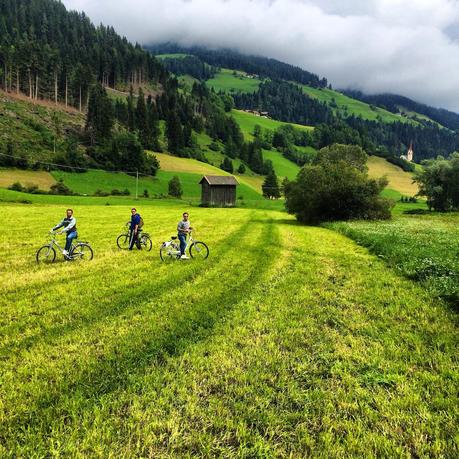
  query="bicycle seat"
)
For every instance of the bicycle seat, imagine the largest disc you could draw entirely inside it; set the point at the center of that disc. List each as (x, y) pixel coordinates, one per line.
(173, 238)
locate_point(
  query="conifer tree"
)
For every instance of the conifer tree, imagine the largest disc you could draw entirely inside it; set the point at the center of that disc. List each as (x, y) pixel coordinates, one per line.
(270, 186)
(99, 120)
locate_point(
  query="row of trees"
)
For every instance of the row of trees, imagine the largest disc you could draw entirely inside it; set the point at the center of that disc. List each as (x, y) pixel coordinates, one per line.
(190, 65)
(254, 65)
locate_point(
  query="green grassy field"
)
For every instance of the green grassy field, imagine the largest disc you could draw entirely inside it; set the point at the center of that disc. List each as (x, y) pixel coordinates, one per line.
(227, 81)
(424, 248)
(289, 341)
(283, 166)
(172, 56)
(248, 121)
(399, 180)
(91, 181)
(345, 104)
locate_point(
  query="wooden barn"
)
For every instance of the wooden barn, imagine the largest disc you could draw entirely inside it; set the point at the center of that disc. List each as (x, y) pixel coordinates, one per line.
(218, 190)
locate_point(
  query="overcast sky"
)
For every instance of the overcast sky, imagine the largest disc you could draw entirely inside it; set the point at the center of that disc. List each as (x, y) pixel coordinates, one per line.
(408, 47)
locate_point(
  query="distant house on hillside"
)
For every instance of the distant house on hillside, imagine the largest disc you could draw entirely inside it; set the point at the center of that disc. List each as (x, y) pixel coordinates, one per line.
(409, 154)
(257, 113)
(218, 190)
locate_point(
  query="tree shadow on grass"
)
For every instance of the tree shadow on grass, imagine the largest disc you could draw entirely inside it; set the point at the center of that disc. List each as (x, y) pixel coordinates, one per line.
(131, 356)
(126, 298)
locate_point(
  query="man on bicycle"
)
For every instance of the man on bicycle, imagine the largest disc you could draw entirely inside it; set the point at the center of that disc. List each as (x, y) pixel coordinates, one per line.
(134, 229)
(183, 228)
(69, 227)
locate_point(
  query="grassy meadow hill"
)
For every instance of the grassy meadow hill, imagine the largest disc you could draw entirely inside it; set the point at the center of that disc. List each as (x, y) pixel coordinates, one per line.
(220, 357)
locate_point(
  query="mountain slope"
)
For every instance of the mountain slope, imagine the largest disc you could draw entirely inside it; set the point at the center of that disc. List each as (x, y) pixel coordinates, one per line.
(368, 123)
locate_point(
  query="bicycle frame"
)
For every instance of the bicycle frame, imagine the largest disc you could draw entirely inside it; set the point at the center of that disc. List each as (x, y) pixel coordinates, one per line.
(53, 243)
(176, 244)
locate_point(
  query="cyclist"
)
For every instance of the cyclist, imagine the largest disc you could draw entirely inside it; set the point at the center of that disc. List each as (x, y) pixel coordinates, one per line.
(69, 227)
(135, 228)
(183, 228)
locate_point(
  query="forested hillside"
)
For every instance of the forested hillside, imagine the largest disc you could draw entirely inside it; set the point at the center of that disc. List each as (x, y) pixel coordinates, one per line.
(293, 95)
(396, 104)
(48, 52)
(133, 104)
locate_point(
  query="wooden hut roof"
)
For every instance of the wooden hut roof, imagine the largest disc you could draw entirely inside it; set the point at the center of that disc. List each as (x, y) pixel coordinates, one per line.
(220, 180)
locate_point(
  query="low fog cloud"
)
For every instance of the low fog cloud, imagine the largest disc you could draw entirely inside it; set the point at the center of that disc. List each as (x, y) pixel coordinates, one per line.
(408, 47)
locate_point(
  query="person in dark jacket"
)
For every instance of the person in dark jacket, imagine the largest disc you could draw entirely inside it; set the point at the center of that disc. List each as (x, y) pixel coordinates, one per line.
(69, 227)
(134, 229)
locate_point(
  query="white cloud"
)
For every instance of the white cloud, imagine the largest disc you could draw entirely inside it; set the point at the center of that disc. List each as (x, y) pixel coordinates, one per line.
(408, 47)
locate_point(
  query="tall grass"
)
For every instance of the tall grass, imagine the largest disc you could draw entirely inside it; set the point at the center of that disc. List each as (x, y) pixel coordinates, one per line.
(424, 248)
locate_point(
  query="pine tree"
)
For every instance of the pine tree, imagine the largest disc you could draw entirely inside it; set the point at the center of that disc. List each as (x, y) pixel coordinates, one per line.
(130, 110)
(174, 133)
(142, 122)
(153, 121)
(175, 187)
(270, 186)
(99, 120)
(227, 165)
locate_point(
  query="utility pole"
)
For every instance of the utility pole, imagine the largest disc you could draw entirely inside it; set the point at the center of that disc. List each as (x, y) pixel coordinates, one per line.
(137, 186)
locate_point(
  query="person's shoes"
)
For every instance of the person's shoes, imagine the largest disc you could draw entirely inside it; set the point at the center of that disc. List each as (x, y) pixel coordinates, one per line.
(184, 257)
(65, 252)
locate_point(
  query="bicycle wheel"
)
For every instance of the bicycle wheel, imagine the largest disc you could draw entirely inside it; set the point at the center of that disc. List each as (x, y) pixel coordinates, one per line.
(82, 252)
(146, 243)
(168, 253)
(46, 254)
(199, 250)
(123, 241)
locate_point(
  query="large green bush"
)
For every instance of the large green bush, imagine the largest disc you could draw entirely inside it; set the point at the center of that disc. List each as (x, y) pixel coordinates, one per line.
(336, 186)
(439, 182)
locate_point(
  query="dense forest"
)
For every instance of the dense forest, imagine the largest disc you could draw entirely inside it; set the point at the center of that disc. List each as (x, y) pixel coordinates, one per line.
(286, 102)
(255, 65)
(48, 52)
(393, 103)
(190, 65)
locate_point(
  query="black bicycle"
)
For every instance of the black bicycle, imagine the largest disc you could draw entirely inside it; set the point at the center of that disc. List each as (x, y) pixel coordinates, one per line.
(123, 240)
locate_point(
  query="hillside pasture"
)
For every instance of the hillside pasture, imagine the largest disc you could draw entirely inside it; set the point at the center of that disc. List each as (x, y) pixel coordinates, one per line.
(399, 180)
(128, 357)
(348, 106)
(233, 81)
(42, 179)
(32, 128)
(248, 121)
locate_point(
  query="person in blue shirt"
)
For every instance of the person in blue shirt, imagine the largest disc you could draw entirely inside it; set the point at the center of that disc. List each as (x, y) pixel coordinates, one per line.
(69, 227)
(134, 229)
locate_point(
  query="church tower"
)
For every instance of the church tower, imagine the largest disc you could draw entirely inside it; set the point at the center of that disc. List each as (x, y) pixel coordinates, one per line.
(410, 153)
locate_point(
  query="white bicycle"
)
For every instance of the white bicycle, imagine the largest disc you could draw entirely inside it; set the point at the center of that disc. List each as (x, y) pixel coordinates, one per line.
(170, 250)
(80, 251)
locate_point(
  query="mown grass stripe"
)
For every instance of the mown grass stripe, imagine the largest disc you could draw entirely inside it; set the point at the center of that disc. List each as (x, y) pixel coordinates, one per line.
(133, 352)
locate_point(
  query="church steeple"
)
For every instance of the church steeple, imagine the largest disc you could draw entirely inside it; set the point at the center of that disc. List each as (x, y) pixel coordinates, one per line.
(410, 153)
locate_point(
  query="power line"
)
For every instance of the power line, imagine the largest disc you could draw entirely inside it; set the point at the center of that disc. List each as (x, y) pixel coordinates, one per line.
(73, 167)
(131, 173)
